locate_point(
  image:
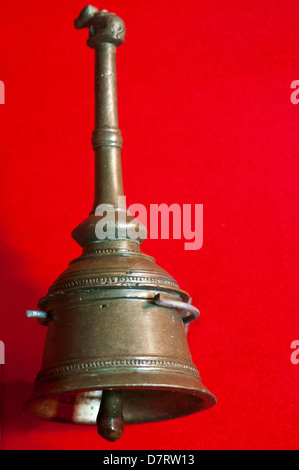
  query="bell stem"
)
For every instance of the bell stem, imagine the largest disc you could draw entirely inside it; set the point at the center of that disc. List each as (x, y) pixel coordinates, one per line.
(106, 140)
(106, 115)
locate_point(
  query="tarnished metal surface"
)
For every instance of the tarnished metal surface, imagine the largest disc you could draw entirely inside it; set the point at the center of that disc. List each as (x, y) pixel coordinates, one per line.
(110, 338)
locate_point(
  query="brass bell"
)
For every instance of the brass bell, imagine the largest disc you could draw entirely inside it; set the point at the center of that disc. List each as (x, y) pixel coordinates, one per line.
(116, 350)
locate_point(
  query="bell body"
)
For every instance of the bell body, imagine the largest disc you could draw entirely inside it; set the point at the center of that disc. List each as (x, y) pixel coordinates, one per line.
(106, 332)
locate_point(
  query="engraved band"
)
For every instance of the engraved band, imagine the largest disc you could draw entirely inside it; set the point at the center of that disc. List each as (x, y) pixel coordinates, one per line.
(74, 368)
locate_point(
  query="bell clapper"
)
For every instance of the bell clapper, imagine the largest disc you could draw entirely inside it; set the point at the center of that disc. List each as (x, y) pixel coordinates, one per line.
(110, 421)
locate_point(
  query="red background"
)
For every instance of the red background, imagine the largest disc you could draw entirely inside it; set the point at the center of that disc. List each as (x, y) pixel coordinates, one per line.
(205, 112)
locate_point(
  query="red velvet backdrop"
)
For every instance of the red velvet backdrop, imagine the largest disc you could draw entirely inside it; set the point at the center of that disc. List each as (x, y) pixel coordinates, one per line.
(205, 112)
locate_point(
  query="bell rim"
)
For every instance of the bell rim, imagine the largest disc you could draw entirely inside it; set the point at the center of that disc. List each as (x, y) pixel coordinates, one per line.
(204, 397)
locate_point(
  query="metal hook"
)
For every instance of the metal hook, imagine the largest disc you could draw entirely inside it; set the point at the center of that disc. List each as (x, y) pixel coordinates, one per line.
(188, 312)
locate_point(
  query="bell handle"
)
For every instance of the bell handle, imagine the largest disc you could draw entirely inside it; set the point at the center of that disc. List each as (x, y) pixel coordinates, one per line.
(106, 32)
